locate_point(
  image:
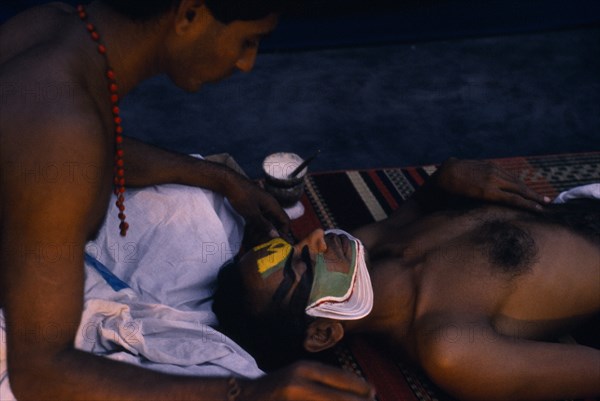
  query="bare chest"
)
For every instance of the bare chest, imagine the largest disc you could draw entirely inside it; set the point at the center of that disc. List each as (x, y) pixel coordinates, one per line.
(558, 287)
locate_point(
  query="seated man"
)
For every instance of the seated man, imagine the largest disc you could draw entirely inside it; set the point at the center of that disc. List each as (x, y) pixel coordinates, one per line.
(471, 291)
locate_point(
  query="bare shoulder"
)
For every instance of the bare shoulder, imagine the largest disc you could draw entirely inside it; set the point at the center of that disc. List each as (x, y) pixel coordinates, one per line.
(42, 68)
(51, 129)
(33, 27)
(43, 15)
(41, 101)
(48, 120)
(53, 146)
(45, 81)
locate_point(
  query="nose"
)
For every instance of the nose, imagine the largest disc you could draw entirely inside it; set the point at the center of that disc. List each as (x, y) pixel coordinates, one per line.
(246, 62)
(315, 242)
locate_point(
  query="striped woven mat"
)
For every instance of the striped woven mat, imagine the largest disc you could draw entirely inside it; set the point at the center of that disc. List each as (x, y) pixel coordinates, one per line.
(350, 199)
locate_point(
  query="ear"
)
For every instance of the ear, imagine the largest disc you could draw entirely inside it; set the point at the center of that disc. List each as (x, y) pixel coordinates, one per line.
(323, 334)
(188, 12)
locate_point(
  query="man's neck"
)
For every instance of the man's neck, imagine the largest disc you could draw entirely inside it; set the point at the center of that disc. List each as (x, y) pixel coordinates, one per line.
(394, 302)
(133, 49)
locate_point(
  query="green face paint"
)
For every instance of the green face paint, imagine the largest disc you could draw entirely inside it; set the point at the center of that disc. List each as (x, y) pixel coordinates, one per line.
(329, 283)
(277, 251)
(342, 290)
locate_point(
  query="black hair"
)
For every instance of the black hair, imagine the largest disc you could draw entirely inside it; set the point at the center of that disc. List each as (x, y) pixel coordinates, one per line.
(506, 245)
(274, 338)
(581, 215)
(225, 11)
(514, 250)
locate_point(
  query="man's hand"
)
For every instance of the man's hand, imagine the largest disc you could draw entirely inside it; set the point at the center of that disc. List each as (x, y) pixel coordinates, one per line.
(485, 180)
(308, 381)
(264, 217)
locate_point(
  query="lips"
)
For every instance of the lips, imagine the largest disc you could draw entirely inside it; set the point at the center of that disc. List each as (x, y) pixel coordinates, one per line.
(340, 244)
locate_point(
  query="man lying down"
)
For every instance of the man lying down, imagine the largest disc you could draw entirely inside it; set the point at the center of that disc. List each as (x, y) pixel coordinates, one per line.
(473, 292)
(148, 296)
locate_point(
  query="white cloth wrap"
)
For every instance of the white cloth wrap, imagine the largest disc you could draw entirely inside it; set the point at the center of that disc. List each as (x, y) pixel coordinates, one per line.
(584, 191)
(179, 237)
(159, 337)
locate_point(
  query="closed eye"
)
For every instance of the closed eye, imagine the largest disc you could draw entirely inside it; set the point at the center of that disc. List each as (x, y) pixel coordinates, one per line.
(255, 41)
(251, 44)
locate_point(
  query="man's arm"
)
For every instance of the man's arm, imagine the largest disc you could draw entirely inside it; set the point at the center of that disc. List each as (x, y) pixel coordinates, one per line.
(52, 202)
(149, 165)
(473, 362)
(50, 208)
(455, 180)
(480, 180)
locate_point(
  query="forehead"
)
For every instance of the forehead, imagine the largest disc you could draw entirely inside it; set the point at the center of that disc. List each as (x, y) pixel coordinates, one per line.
(271, 256)
(262, 270)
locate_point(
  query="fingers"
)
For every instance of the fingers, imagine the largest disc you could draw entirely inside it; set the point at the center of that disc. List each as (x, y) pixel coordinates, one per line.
(318, 393)
(329, 381)
(279, 218)
(309, 381)
(265, 219)
(525, 197)
(529, 194)
(487, 181)
(520, 202)
(260, 229)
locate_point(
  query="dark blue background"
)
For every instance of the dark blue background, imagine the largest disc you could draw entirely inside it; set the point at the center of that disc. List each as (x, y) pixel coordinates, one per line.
(377, 83)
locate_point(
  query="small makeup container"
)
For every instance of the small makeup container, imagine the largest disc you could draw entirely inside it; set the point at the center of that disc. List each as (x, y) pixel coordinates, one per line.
(284, 187)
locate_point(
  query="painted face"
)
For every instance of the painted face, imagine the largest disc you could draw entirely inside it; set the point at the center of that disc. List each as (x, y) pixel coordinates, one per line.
(274, 256)
(281, 275)
(332, 280)
(277, 258)
(342, 294)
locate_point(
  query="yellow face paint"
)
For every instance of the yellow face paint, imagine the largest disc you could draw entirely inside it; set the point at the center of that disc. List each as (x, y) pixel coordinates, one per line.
(277, 252)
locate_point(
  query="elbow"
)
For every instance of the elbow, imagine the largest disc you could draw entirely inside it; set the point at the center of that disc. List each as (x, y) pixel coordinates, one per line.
(441, 357)
(449, 367)
(465, 381)
(454, 383)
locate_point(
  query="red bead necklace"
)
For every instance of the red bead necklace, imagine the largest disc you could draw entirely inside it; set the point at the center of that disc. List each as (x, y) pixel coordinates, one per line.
(119, 171)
